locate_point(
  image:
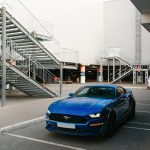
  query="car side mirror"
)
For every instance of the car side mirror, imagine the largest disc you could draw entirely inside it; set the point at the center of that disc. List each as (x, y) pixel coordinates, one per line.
(123, 96)
(71, 94)
(128, 91)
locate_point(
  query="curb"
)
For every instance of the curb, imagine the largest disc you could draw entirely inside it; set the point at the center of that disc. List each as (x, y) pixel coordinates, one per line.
(21, 125)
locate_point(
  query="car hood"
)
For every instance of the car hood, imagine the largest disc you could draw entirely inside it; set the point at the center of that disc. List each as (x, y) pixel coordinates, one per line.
(79, 106)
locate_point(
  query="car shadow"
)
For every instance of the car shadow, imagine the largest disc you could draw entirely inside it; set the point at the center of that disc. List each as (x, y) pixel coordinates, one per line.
(83, 139)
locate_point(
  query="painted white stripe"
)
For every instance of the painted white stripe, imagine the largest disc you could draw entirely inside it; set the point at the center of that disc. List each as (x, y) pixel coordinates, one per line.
(143, 112)
(140, 123)
(45, 142)
(142, 104)
(129, 127)
(134, 87)
(21, 125)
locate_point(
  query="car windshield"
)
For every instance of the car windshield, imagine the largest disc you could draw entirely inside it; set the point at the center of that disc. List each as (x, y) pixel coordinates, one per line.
(96, 92)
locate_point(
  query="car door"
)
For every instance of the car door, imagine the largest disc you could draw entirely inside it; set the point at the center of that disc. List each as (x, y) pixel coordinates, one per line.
(122, 103)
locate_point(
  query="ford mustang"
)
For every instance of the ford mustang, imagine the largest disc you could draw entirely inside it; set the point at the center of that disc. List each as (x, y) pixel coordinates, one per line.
(91, 110)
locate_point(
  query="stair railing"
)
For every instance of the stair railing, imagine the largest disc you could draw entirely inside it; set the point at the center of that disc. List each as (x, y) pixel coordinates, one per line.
(34, 26)
(26, 18)
(27, 64)
(120, 72)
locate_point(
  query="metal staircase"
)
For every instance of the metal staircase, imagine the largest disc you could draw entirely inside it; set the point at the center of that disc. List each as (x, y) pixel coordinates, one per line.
(138, 38)
(27, 43)
(25, 57)
(124, 70)
(27, 85)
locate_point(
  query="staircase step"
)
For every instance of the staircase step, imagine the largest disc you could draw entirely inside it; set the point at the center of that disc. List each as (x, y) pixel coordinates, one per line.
(24, 42)
(122, 72)
(24, 84)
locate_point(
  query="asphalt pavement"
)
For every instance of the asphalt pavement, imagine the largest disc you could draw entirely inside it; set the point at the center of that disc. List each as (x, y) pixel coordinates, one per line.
(23, 119)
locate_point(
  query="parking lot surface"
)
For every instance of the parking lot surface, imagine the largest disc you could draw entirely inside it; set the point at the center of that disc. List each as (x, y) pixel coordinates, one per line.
(132, 135)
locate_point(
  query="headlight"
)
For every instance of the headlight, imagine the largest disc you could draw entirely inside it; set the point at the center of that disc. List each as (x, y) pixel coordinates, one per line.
(95, 115)
(48, 112)
(47, 115)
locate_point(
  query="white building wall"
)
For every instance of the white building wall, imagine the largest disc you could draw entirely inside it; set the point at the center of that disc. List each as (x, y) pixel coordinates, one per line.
(119, 28)
(76, 24)
(145, 56)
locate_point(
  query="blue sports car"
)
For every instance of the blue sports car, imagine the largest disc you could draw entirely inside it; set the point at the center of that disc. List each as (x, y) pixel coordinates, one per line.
(91, 110)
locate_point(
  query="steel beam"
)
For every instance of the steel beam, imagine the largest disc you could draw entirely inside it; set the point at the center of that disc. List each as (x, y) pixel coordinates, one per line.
(61, 78)
(108, 70)
(134, 77)
(113, 68)
(146, 76)
(3, 103)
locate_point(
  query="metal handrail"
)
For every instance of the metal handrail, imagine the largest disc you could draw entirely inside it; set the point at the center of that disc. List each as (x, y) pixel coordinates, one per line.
(25, 61)
(64, 56)
(28, 70)
(16, 7)
(118, 73)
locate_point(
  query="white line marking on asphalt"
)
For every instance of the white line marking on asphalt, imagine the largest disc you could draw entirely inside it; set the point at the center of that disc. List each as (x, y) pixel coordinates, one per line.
(140, 123)
(21, 124)
(45, 142)
(142, 104)
(129, 127)
(143, 112)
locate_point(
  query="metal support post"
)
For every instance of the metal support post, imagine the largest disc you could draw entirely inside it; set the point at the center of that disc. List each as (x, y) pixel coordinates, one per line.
(101, 70)
(11, 62)
(43, 76)
(29, 67)
(3, 56)
(108, 70)
(61, 79)
(146, 76)
(113, 68)
(120, 70)
(11, 48)
(134, 77)
(34, 71)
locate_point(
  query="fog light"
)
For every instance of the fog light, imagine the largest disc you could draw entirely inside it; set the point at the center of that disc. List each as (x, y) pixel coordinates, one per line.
(96, 124)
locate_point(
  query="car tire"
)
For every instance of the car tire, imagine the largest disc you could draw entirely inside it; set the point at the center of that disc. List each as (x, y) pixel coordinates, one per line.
(132, 112)
(110, 125)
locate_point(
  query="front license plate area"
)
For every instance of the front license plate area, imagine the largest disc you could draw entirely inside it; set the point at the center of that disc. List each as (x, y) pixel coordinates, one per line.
(66, 125)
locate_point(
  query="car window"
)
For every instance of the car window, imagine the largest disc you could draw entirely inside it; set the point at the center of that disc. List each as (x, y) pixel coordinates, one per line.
(96, 92)
(120, 91)
(82, 92)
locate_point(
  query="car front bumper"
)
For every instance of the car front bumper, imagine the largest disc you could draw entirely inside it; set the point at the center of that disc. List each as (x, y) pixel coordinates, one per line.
(92, 127)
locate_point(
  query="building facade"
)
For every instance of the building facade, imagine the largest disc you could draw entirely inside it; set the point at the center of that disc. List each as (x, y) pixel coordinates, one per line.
(97, 30)
(113, 28)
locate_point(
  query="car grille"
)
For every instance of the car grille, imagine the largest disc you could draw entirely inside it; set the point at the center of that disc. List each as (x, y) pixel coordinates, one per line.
(67, 118)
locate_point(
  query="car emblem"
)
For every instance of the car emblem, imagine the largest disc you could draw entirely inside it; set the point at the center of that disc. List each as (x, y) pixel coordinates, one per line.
(66, 117)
